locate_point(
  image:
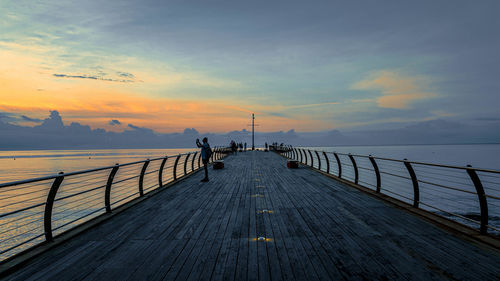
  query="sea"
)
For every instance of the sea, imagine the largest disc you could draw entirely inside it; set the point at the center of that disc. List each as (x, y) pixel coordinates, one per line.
(24, 164)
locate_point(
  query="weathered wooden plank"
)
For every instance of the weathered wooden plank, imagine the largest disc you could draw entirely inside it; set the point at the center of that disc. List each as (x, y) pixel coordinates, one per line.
(320, 229)
(278, 239)
(244, 236)
(214, 230)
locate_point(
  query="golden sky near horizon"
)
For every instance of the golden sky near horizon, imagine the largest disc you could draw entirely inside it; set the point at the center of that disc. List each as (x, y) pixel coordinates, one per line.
(301, 66)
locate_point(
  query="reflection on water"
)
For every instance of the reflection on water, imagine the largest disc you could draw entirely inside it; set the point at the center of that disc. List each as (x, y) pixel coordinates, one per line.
(19, 165)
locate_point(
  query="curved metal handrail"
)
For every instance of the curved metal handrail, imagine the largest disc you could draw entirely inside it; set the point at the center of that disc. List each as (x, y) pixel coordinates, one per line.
(416, 162)
(79, 191)
(385, 177)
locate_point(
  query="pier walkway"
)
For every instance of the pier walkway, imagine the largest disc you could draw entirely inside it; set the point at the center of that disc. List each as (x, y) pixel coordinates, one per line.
(310, 226)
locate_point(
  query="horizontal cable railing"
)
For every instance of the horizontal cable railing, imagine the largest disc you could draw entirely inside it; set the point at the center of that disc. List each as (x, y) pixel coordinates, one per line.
(467, 195)
(34, 211)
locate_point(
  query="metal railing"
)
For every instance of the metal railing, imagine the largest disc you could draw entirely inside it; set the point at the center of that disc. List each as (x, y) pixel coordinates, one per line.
(470, 196)
(34, 211)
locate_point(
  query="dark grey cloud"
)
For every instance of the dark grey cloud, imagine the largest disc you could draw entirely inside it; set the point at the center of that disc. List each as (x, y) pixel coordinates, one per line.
(4, 115)
(142, 130)
(190, 131)
(7, 117)
(488, 119)
(115, 122)
(126, 75)
(134, 127)
(29, 119)
(94, 77)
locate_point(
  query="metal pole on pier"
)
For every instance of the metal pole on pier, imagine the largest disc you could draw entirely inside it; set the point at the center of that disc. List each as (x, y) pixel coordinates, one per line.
(253, 132)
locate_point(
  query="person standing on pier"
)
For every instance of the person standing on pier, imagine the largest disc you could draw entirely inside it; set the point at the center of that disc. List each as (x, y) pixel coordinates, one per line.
(206, 152)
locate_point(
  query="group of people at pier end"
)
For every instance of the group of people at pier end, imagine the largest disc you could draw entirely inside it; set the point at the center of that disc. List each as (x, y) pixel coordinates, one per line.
(234, 146)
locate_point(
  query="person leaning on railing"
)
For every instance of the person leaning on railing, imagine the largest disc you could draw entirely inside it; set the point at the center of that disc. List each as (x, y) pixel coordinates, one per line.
(206, 152)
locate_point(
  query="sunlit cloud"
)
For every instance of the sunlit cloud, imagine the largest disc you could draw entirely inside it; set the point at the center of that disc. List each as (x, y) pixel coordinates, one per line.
(398, 91)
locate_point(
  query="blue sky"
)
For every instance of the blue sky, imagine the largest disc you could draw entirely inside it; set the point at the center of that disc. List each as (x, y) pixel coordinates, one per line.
(304, 65)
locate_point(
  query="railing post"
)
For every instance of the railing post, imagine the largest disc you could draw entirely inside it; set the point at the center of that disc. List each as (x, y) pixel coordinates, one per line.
(327, 163)
(212, 156)
(377, 172)
(107, 192)
(160, 172)
(185, 163)
(192, 161)
(356, 173)
(312, 160)
(49, 205)
(300, 153)
(483, 204)
(319, 160)
(416, 191)
(175, 166)
(141, 178)
(338, 164)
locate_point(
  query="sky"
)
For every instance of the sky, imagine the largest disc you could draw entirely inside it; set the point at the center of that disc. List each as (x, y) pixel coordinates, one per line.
(307, 66)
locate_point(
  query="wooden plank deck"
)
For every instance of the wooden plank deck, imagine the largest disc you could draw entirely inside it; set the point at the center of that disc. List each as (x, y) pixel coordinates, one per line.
(315, 228)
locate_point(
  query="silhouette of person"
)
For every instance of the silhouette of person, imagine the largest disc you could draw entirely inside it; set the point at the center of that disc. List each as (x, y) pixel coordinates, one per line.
(234, 147)
(245, 147)
(206, 152)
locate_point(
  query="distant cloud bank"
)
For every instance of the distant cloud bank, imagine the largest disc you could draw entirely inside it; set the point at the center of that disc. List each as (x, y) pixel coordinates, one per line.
(52, 133)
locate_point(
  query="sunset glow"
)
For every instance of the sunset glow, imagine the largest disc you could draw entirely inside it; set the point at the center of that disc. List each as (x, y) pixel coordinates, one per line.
(193, 69)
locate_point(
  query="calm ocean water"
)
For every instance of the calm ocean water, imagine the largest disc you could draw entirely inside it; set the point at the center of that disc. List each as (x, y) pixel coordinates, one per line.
(16, 165)
(478, 155)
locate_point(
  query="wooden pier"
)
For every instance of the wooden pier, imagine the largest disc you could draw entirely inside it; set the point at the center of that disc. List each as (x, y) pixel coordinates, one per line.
(258, 220)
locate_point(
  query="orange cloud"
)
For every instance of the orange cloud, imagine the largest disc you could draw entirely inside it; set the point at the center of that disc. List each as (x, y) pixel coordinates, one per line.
(398, 91)
(28, 87)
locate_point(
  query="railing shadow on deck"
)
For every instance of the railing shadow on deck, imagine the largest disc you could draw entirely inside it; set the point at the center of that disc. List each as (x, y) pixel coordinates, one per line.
(469, 196)
(34, 212)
